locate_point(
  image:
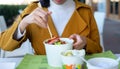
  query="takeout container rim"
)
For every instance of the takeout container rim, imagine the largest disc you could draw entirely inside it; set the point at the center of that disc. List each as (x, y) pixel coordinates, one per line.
(67, 42)
(62, 54)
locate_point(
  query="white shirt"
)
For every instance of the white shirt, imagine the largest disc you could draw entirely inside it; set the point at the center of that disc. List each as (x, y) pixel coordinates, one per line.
(60, 15)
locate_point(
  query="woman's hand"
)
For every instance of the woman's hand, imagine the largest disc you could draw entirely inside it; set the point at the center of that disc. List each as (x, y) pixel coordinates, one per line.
(80, 41)
(38, 16)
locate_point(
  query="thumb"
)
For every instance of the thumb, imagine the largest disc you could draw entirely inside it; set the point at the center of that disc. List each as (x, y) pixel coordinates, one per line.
(49, 12)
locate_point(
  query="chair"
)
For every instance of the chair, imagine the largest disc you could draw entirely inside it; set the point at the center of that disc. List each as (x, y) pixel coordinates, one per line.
(24, 49)
(2, 27)
(2, 24)
(100, 18)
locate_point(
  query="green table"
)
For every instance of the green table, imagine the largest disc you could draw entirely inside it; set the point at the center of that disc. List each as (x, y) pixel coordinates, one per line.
(40, 61)
(35, 62)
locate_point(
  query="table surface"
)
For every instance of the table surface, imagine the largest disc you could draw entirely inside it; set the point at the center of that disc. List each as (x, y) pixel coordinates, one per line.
(18, 60)
(15, 60)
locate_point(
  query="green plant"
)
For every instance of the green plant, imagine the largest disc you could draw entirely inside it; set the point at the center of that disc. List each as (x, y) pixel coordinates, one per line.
(10, 12)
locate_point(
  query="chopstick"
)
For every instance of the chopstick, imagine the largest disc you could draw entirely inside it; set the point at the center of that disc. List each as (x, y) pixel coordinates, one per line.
(49, 31)
(39, 5)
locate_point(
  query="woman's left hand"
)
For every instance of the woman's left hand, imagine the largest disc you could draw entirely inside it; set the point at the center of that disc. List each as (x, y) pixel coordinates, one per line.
(80, 41)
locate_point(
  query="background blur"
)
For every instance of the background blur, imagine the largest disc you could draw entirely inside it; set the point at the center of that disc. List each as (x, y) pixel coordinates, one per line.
(9, 9)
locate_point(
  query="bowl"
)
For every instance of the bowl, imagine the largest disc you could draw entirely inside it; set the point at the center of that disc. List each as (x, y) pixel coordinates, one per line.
(53, 51)
(102, 63)
(71, 59)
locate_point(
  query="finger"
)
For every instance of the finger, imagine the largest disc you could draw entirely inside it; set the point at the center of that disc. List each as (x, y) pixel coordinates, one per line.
(45, 16)
(49, 12)
(41, 22)
(37, 22)
(78, 47)
(42, 15)
(78, 43)
(42, 11)
(73, 37)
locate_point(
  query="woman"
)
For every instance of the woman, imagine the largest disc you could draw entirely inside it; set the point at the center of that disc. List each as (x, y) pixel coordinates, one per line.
(66, 18)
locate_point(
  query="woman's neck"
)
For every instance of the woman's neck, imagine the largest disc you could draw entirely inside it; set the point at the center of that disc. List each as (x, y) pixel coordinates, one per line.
(67, 4)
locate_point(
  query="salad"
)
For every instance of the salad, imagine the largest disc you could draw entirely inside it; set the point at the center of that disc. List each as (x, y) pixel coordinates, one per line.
(74, 52)
(55, 41)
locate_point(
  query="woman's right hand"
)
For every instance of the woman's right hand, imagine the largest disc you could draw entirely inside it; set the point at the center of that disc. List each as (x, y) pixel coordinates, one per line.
(38, 16)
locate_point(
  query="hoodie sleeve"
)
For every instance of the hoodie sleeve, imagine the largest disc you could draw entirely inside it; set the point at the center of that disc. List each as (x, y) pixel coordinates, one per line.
(93, 40)
(7, 41)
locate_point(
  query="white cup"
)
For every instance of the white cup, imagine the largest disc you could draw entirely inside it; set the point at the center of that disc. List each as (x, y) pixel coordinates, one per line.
(102, 63)
(72, 61)
(53, 51)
